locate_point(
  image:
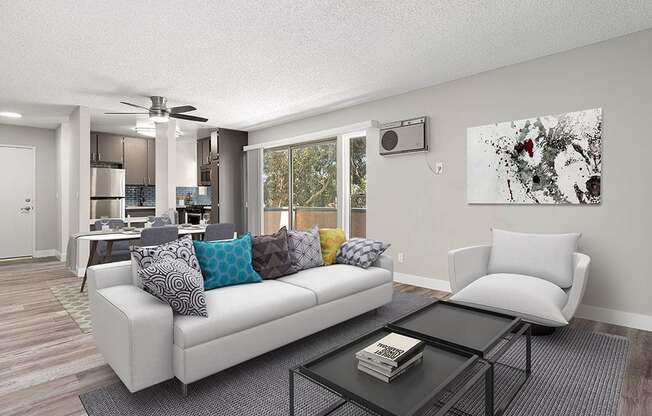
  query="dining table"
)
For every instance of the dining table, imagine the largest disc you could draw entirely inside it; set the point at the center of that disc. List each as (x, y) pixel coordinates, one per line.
(111, 236)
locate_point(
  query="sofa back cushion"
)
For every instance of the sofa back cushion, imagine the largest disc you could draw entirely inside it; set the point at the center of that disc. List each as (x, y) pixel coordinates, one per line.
(270, 256)
(546, 256)
(305, 249)
(226, 262)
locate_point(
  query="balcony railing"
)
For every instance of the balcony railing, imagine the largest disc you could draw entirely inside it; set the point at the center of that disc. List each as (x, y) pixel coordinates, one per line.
(306, 217)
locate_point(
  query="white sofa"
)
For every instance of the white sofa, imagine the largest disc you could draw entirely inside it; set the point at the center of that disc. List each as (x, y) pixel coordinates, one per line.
(145, 343)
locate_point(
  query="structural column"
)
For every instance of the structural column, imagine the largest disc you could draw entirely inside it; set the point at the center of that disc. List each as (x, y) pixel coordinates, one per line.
(166, 166)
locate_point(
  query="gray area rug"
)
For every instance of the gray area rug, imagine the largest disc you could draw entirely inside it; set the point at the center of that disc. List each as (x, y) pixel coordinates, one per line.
(574, 373)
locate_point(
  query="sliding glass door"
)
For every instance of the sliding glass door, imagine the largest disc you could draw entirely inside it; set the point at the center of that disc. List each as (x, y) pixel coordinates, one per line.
(358, 186)
(314, 185)
(300, 186)
(276, 186)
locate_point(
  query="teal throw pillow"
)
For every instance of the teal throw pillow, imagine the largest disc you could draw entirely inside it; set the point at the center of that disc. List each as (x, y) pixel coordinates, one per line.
(226, 262)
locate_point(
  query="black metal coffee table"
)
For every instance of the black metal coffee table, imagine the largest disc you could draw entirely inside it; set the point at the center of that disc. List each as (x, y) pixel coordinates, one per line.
(488, 335)
(434, 386)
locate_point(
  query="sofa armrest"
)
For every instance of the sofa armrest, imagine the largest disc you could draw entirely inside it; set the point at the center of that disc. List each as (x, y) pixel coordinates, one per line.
(105, 275)
(134, 332)
(581, 264)
(465, 265)
(385, 261)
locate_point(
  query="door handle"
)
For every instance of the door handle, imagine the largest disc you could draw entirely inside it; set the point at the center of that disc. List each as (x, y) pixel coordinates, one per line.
(26, 209)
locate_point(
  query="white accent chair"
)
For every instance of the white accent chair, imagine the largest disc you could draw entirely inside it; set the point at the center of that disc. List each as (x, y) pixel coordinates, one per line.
(501, 277)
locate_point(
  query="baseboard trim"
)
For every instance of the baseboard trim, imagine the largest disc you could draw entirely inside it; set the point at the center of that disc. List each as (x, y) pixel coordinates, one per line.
(615, 317)
(45, 253)
(427, 282)
(61, 256)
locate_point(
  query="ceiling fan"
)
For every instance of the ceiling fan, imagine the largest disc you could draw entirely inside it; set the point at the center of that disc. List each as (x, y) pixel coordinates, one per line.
(160, 113)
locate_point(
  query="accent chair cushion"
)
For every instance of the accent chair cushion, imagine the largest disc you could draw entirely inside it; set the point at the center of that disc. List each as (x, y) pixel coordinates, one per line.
(305, 249)
(178, 284)
(330, 283)
(546, 256)
(330, 239)
(180, 249)
(360, 252)
(226, 262)
(535, 300)
(270, 256)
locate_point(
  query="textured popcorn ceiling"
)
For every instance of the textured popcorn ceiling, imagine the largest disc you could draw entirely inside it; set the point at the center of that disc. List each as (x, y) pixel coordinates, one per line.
(251, 64)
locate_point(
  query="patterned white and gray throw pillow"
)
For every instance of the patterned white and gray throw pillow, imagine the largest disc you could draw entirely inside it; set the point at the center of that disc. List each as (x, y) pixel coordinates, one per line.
(360, 252)
(181, 249)
(304, 249)
(175, 282)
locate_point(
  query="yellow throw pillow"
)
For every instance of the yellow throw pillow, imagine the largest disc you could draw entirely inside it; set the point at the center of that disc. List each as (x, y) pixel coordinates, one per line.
(330, 239)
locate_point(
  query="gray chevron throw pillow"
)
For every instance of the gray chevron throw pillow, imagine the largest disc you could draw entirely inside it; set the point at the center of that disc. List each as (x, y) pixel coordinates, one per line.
(360, 252)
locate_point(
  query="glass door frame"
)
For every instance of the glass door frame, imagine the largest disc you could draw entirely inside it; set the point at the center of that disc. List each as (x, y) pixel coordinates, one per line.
(343, 185)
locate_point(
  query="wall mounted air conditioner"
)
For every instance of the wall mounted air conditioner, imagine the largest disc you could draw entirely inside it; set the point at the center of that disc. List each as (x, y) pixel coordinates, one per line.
(403, 136)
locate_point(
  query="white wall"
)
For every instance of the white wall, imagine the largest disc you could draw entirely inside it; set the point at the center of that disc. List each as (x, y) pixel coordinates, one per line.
(46, 168)
(424, 215)
(186, 162)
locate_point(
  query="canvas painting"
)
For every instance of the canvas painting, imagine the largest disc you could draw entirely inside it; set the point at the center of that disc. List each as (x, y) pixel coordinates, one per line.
(555, 159)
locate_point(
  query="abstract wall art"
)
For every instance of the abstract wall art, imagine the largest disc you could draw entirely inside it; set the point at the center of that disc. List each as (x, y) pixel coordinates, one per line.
(555, 159)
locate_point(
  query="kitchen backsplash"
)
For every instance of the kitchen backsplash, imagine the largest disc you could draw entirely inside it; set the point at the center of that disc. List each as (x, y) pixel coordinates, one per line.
(132, 192)
(197, 199)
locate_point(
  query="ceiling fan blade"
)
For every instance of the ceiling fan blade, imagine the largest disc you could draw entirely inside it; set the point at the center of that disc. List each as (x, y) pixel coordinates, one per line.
(187, 117)
(127, 113)
(134, 105)
(182, 109)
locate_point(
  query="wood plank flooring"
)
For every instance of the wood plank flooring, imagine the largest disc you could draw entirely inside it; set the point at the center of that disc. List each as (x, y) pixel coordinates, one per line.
(46, 361)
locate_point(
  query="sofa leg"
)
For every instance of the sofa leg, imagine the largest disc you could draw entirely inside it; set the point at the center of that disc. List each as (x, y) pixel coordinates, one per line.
(184, 389)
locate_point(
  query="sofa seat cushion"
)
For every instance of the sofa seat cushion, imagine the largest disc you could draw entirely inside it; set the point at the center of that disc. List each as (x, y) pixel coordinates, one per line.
(535, 300)
(233, 309)
(329, 283)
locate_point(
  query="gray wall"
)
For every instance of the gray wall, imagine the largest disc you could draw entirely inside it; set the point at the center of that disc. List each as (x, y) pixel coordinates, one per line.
(424, 215)
(46, 178)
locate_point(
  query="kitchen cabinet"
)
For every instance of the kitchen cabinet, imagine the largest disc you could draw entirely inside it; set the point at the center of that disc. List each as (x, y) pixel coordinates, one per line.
(140, 161)
(136, 162)
(109, 148)
(93, 147)
(227, 166)
(203, 161)
(151, 162)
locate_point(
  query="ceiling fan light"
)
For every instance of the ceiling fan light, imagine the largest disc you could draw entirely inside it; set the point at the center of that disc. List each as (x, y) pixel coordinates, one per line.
(159, 118)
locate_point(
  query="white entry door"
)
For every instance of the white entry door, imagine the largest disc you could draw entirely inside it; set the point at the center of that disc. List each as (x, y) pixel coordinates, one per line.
(17, 207)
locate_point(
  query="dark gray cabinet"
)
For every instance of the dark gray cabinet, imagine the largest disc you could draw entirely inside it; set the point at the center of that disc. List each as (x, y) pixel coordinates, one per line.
(135, 161)
(227, 167)
(140, 161)
(151, 162)
(109, 148)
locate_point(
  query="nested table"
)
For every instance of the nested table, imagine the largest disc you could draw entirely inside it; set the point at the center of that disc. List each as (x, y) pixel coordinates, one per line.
(433, 386)
(489, 335)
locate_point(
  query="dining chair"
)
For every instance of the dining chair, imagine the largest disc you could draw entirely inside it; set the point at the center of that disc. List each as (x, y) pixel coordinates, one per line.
(114, 250)
(222, 231)
(158, 235)
(161, 221)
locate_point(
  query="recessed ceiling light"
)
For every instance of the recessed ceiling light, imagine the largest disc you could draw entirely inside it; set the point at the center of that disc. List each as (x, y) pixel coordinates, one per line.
(9, 114)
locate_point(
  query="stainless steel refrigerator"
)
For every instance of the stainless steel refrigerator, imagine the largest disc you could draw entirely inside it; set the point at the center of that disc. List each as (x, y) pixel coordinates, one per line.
(107, 193)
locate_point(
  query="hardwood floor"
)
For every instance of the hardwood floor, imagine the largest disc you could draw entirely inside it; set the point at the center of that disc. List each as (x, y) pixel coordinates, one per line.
(46, 361)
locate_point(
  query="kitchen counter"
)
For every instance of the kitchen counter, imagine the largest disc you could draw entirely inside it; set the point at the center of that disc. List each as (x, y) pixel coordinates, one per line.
(133, 208)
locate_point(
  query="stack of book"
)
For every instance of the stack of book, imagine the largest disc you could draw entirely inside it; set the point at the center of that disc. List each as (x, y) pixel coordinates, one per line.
(390, 356)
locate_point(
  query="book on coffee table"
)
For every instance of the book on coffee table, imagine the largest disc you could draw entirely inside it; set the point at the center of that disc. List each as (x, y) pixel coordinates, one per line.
(366, 368)
(392, 350)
